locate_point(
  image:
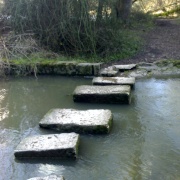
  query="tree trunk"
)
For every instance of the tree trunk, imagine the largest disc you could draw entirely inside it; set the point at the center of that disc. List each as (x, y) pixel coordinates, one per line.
(100, 10)
(123, 9)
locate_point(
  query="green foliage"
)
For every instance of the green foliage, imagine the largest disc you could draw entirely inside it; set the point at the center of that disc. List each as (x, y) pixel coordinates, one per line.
(70, 27)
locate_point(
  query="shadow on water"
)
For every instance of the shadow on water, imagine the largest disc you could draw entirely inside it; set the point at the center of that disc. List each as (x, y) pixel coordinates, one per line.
(143, 143)
(50, 161)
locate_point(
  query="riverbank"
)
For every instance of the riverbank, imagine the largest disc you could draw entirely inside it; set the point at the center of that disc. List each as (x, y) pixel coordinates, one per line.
(160, 55)
(72, 68)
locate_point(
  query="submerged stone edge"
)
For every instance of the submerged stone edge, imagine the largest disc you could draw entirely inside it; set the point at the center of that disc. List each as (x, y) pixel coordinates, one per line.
(39, 146)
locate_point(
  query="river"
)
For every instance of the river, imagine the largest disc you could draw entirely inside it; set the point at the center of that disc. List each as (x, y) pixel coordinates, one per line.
(144, 142)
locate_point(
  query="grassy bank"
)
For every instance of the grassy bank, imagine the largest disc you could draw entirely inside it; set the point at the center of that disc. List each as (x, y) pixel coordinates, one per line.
(71, 31)
(26, 48)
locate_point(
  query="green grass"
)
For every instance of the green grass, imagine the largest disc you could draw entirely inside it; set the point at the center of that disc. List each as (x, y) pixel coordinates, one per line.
(36, 58)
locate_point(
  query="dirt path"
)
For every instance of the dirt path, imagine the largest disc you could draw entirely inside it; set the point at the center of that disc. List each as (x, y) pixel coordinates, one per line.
(163, 42)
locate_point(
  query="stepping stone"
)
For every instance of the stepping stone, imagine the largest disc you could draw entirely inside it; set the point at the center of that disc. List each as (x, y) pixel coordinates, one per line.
(109, 72)
(70, 120)
(55, 145)
(103, 94)
(88, 69)
(51, 177)
(125, 67)
(113, 81)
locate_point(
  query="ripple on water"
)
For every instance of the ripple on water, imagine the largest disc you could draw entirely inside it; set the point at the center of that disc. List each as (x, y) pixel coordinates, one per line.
(143, 143)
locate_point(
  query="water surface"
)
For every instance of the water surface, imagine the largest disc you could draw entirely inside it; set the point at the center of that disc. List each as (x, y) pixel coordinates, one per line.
(143, 144)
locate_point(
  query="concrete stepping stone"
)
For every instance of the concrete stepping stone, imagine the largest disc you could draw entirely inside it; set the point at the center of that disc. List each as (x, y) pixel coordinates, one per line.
(103, 94)
(125, 67)
(70, 120)
(109, 72)
(51, 177)
(113, 81)
(55, 145)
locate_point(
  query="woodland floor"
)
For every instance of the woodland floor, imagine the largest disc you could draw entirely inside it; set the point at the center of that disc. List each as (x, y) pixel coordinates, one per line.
(161, 43)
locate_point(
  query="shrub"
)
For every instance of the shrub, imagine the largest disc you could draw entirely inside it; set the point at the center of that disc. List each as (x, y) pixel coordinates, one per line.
(70, 27)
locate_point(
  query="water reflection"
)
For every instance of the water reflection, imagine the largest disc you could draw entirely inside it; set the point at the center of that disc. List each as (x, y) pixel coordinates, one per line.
(157, 109)
(4, 112)
(143, 143)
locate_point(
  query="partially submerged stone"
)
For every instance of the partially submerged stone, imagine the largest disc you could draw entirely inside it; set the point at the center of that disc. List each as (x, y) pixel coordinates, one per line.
(84, 69)
(88, 69)
(55, 145)
(69, 68)
(103, 94)
(51, 177)
(125, 67)
(96, 68)
(57, 68)
(70, 120)
(113, 81)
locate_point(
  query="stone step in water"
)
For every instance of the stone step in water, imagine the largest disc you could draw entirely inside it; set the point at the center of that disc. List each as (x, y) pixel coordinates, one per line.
(109, 72)
(125, 67)
(52, 146)
(51, 177)
(103, 94)
(70, 120)
(113, 81)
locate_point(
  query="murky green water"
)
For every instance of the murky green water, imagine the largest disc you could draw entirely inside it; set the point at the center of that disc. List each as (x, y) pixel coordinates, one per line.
(143, 144)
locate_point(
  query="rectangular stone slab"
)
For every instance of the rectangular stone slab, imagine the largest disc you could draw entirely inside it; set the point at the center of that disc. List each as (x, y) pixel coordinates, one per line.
(125, 67)
(103, 94)
(54, 145)
(70, 120)
(109, 72)
(113, 81)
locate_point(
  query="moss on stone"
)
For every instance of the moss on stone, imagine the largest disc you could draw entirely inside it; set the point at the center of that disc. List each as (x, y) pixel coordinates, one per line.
(164, 63)
(176, 63)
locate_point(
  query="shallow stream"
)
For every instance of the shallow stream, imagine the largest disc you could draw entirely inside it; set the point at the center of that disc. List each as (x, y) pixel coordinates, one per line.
(144, 142)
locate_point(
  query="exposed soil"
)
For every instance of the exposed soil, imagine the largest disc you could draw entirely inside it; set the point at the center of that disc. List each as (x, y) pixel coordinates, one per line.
(161, 43)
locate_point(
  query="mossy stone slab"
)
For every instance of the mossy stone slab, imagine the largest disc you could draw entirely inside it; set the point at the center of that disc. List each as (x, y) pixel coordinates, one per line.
(63, 145)
(17, 70)
(96, 68)
(51, 177)
(103, 94)
(113, 81)
(79, 121)
(84, 69)
(65, 68)
(58, 68)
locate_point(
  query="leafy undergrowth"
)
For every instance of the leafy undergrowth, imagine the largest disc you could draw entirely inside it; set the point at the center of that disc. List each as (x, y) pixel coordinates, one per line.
(124, 41)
